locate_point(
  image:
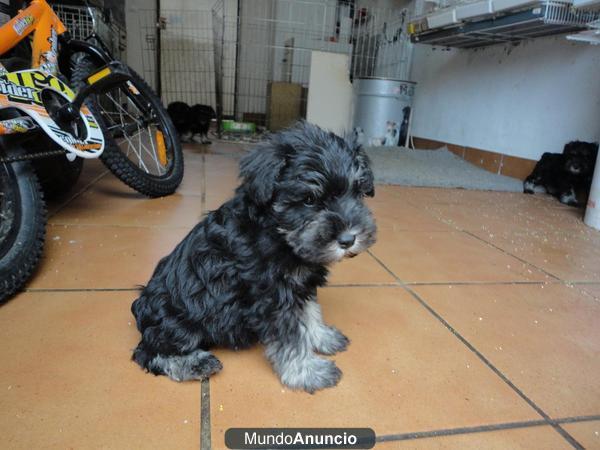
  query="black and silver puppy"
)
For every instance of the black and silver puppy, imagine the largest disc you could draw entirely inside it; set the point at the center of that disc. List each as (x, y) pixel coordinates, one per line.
(567, 175)
(249, 272)
(192, 122)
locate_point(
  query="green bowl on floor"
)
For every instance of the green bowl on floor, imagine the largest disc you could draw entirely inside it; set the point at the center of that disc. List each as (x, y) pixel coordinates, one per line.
(232, 126)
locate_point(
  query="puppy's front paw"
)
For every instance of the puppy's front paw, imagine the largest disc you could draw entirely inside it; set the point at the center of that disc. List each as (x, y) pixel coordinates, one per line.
(312, 375)
(569, 198)
(332, 341)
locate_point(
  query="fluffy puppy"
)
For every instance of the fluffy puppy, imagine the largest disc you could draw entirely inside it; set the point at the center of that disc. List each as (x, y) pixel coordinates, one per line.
(565, 175)
(180, 115)
(192, 122)
(249, 272)
(201, 117)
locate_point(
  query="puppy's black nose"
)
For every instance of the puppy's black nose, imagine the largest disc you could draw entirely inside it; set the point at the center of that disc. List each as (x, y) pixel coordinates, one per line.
(346, 240)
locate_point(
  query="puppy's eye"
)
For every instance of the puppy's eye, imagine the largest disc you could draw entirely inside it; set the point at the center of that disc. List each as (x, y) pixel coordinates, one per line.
(310, 200)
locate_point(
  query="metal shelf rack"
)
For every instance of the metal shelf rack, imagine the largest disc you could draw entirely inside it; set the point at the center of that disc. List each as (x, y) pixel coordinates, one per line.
(542, 18)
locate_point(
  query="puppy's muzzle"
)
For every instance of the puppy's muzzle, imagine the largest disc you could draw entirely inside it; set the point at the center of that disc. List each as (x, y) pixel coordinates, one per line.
(346, 240)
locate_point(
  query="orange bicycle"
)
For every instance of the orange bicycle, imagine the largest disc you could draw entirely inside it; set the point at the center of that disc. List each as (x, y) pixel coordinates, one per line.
(73, 101)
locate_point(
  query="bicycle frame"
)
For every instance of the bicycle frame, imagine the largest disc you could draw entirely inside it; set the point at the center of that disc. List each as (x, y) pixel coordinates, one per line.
(38, 18)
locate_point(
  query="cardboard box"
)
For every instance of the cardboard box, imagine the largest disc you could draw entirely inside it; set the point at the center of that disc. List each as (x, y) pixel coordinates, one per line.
(284, 104)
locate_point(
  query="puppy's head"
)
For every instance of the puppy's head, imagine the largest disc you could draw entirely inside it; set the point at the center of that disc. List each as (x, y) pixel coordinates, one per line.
(313, 184)
(580, 157)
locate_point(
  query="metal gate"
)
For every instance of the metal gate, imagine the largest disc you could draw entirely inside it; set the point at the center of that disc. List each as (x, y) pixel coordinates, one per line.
(251, 60)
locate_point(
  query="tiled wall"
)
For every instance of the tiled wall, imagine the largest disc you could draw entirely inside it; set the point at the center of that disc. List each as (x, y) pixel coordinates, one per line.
(491, 161)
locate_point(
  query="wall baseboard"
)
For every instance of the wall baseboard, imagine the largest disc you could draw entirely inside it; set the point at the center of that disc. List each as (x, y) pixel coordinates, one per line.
(491, 161)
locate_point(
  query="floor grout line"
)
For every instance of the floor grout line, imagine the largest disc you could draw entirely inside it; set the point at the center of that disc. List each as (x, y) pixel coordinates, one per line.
(137, 289)
(557, 282)
(203, 186)
(460, 431)
(469, 233)
(570, 439)
(577, 419)
(109, 225)
(82, 191)
(205, 431)
(481, 428)
(480, 283)
(205, 436)
(345, 285)
(362, 285)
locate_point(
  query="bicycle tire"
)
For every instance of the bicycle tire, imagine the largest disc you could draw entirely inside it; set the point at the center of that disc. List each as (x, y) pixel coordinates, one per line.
(23, 224)
(113, 157)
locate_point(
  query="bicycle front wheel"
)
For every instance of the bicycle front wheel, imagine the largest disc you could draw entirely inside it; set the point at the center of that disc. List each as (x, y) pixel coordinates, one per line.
(22, 221)
(142, 146)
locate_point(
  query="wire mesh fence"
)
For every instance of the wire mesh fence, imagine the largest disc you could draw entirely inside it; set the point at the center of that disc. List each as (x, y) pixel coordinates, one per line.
(381, 45)
(80, 24)
(148, 27)
(187, 59)
(251, 60)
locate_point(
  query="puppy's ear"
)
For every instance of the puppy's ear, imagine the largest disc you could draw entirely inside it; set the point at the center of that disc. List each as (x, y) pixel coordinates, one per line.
(367, 180)
(569, 147)
(260, 170)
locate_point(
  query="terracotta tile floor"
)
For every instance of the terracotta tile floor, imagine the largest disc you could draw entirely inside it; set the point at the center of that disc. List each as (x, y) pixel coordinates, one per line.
(474, 324)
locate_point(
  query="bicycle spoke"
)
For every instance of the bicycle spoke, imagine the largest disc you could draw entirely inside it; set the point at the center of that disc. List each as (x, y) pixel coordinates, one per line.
(127, 121)
(121, 120)
(143, 146)
(150, 153)
(139, 155)
(121, 109)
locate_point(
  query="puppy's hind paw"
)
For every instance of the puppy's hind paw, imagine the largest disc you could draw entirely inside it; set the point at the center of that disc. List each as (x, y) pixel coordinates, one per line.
(331, 342)
(197, 365)
(207, 366)
(314, 374)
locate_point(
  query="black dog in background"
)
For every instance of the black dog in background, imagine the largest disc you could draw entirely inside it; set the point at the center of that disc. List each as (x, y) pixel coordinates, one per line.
(249, 272)
(192, 122)
(565, 175)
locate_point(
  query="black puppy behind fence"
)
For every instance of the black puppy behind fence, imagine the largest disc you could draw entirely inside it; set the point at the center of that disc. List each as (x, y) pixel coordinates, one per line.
(251, 60)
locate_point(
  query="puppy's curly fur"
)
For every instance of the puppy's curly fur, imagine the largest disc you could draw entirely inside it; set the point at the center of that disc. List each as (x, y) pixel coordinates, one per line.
(249, 271)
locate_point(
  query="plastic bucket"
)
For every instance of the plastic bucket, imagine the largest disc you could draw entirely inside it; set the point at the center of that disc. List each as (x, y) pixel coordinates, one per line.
(382, 110)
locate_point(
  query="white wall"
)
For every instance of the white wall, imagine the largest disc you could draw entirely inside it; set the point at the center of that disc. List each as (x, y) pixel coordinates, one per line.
(520, 101)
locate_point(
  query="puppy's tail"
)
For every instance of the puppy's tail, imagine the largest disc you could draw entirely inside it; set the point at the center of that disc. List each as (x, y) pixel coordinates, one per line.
(196, 365)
